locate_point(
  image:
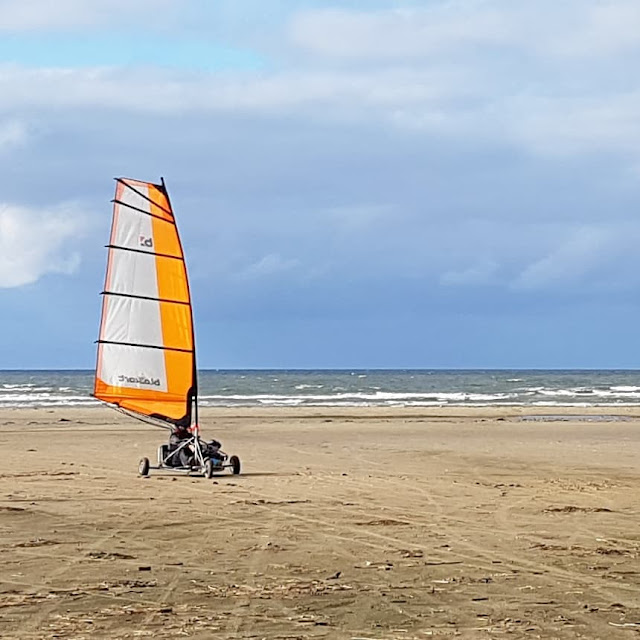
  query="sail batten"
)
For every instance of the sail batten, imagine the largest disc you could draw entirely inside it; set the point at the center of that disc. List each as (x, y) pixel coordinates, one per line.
(149, 253)
(146, 350)
(129, 295)
(127, 184)
(144, 346)
(146, 213)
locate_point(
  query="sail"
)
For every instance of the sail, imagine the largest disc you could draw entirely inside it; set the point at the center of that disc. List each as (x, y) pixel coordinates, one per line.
(146, 351)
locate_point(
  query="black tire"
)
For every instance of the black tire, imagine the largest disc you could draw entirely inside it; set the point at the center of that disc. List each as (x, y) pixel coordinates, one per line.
(143, 467)
(208, 468)
(234, 461)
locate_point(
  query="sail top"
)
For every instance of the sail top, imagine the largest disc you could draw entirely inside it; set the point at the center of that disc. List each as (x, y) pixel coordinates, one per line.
(146, 350)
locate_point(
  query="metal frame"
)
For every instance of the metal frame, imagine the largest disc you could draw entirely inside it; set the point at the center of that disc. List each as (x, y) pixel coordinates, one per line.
(200, 466)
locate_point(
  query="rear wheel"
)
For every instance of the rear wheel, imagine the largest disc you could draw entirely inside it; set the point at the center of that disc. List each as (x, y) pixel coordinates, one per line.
(234, 461)
(208, 468)
(143, 467)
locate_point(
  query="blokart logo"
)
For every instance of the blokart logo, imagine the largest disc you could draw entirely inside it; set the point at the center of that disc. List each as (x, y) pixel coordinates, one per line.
(150, 382)
(146, 242)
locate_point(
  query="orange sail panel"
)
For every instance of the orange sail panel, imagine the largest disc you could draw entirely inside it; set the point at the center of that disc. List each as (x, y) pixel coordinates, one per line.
(146, 351)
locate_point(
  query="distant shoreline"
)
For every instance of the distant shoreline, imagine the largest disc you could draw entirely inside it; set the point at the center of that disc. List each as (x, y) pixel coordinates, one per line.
(363, 370)
(524, 416)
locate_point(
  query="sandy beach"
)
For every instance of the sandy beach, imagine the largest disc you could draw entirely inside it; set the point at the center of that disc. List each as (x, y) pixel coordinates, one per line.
(346, 524)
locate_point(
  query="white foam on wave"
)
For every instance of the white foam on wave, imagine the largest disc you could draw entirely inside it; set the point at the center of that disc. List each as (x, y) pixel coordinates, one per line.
(375, 396)
(581, 392)
(50, 402)
(356, 399)
(24, 388)
(15, 399)
(550, 403)
(335, 392)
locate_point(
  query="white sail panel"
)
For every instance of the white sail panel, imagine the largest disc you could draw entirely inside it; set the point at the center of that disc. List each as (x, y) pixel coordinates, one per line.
(145, 329)
(133, 368)
(133, 321)
(133, 273)
(133, 223)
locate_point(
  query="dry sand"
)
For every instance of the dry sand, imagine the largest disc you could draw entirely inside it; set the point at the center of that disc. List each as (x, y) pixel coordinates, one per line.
(344, 524)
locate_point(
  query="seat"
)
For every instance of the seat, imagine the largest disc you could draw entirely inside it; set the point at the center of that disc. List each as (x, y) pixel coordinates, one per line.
(163, 452)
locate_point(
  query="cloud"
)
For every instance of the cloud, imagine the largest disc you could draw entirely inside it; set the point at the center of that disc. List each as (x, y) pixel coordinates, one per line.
(268, 266)
(12, 133)
(441, 102)
(357, 218)
(170, 92)
(603, 28)
(34, 242)
(572, 125)
(392, 34)
(586, 251)
(586, 28)
(481, 272)
(42, 15)
(481, 72)
(547, 77)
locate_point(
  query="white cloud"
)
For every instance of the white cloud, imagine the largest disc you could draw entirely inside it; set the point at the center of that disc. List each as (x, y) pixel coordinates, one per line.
(359, 218)
(483, 71)
(12, 133)
(170, 92)
(398, 33)
(603, 28)
(270, 265)
(462, 103)
(41, 15)
(34, 242)
(559, 126)
(572, 28)
(482, 272)
(584, 252)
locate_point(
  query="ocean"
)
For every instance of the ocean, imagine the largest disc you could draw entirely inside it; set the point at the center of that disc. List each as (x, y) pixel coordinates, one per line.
(353, 388)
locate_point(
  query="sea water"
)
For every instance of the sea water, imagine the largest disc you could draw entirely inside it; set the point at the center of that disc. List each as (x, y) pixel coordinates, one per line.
(353, 388)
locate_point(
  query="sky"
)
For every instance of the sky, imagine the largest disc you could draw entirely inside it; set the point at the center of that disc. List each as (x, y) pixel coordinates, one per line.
(380, 184)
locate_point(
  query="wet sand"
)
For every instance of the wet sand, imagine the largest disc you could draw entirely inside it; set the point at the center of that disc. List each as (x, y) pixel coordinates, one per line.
(368, 523)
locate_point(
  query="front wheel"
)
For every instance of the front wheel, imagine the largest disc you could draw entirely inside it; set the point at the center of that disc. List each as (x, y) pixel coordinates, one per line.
(208, 468)
(143, 467)
(234, 461)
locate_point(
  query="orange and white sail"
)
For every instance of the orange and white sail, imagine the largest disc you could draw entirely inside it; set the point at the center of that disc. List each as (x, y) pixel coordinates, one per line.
(146, 350)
